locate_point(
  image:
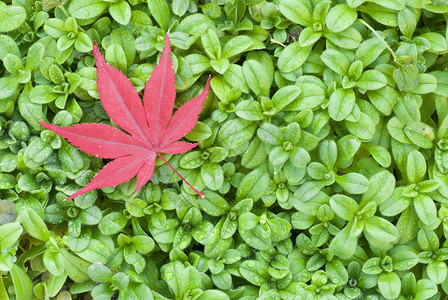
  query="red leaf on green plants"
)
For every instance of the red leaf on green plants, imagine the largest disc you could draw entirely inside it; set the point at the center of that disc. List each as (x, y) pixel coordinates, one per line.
(152, 130)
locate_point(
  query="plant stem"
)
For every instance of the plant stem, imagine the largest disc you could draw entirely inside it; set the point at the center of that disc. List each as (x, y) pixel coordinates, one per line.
(381, 38)
(197, 192)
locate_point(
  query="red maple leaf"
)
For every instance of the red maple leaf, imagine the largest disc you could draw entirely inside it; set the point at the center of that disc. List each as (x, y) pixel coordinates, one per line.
(150, 125)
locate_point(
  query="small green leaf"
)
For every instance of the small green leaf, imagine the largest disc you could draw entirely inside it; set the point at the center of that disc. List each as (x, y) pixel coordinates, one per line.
(298, 11)
(121, 12)
(293, 56)
(160, 12)
(344, 206)
(11, 17)
(112, 223)
(353, 183)
(22, 283)
(86, 9)
(34, 224)
(389, 285)
(340, 17)
(341, 104)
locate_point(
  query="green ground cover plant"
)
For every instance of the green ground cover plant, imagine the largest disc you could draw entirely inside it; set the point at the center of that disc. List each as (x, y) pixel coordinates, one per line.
(322, 151)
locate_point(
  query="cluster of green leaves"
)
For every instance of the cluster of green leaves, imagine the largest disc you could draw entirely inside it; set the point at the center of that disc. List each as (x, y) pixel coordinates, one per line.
(323, 151)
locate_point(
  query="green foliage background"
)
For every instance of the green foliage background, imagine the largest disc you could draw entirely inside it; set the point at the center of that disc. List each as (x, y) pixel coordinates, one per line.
(323, 151)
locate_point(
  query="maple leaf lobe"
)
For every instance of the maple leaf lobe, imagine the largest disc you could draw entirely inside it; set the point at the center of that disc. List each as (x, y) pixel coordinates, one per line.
(152, 130)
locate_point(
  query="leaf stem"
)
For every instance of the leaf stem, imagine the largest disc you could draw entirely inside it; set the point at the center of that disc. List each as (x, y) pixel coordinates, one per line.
(381, 38)
(197, 192)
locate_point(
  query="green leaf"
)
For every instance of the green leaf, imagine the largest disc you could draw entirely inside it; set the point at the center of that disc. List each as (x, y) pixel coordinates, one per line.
(353, 183)
(180, 7)
(86, 9)
(383, 15)
(308, 190)
(270, 134)
(425, 208)
(349, 38)
(234, 75)
(344, 206)
(442, 83)
(369, 50)
(381, 187)
(415, 167)
(420, 134)
(298, 11)
(341, 104)
(340, 17)
(438, 42)
(254, 185)
(42, 94)
(213, 204)
(381, 155)
(407, 21)
(160, 12)
(406, 77)
(235, 134)
(212, 175)
(75, 267)
(9, 234)
(285, 95)
(191, 279)
(407, 225)
(220, 65)
(343, 244)
(407, 109)
(336, 61)
(34, 224)
(278, 156)
(389, 285)
(372, 266)
(11, 17)
(437, 271)
(248, 221)
(91, 216)
(249, 110)
(257, 77)
(404, 259)
(371, 80)
(336, 271)
(309, 37)
(121, 12)
(8, 46)
(235, 46)
(426, 84)
(392, 4)
(54, 262)
(425, 289)
(83, 43)
(396, 130)
(70, 157)
(22, 283)
(293, 56)
(143, 243)
(380, 230)
(8, 86)
(112, 223)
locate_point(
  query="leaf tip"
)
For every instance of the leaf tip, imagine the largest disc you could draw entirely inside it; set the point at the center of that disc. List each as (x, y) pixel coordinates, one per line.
(97, 54)
(167, 48)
